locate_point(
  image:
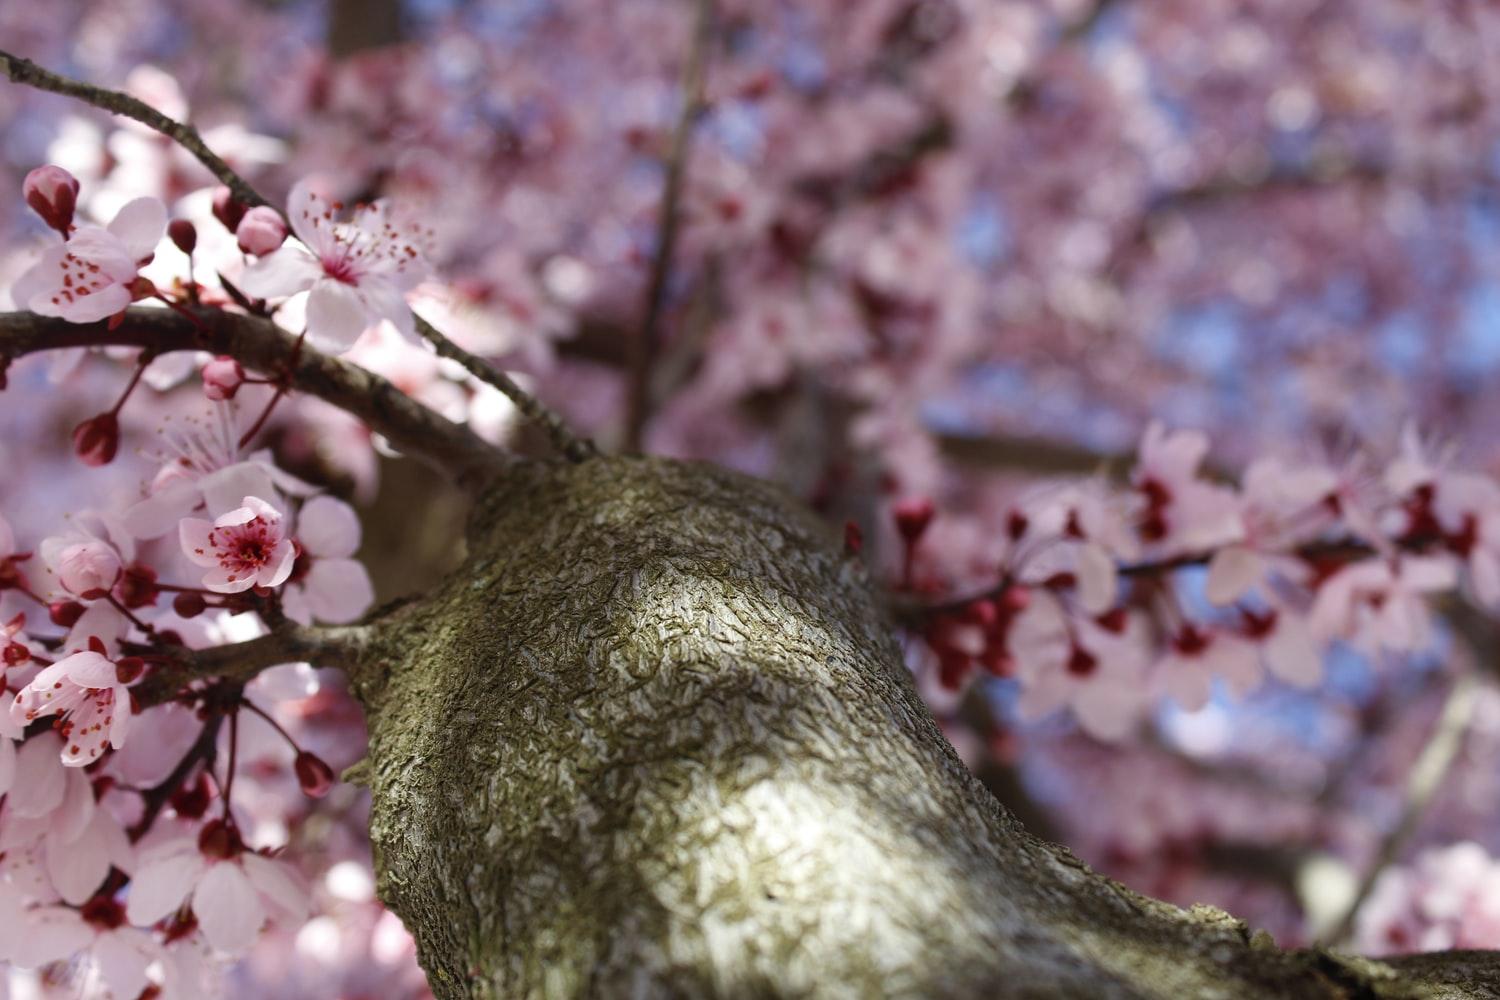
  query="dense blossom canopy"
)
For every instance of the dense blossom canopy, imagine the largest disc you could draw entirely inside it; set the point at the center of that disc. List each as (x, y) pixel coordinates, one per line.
(937, 266)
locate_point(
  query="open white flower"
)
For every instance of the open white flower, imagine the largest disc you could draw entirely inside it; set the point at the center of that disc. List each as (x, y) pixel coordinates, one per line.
(357, 273)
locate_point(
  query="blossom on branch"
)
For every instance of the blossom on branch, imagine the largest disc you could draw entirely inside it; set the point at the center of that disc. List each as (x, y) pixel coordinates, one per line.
(357, 273)
(91, 276)
(247, 547)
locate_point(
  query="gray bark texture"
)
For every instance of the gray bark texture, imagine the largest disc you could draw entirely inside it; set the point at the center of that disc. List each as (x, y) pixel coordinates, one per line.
(655, 739)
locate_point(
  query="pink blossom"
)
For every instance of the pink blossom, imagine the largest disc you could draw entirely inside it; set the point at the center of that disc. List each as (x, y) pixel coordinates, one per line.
(1196, 655)
(1179, 511)
(85, 565)
(325, 583)
(232, 890)
(88, 278)
(247, 547)
(112, 957)
(222, 378)
(358, 272)
(84, 689)
(261, 231)
(1096, 671)
(1381, 604)
(202, 468)
(52, 193)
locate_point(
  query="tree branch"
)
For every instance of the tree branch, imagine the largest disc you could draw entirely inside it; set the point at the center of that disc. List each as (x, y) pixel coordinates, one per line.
(1427, 774)
(329, 646)
(26, 72)
(261, 345)
(644, 344)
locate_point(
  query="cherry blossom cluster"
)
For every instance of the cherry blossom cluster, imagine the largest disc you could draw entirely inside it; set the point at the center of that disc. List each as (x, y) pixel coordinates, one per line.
(124, 851)
(1179, 584)
(1447, 898)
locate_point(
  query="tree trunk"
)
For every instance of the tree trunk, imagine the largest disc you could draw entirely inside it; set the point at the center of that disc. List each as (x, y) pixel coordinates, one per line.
(655, 739)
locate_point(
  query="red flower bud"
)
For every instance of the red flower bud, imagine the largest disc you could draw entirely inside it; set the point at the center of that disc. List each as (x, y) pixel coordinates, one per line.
(65, 614)
(52, 193)
(183, 235)
(189, 605)
(227, 209)
(222, 378)
(218, 839)
(854, 539)
(96, 440)
(912, 518)
(14, 654)
(315, 777)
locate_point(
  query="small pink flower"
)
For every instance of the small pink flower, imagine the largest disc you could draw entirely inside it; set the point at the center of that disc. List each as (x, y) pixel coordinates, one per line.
(1196, 655)
(88, 568)
(84, 689)
(244, 548)
(326, 583)
(358, 272)
(52, 193)
(261, 231)
(222, 378)
(110, 957)
(89, 277)
(232, 889)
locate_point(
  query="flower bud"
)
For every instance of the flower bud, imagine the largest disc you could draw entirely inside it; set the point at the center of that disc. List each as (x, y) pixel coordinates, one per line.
(188, 605)
(912, 518)
(52, 193)
(260, 231)
(183, 235)
(222, 378)
(89, 569)
(65, 614)
(96, 440)
(227, 209)
(315, 777)
(14, 654)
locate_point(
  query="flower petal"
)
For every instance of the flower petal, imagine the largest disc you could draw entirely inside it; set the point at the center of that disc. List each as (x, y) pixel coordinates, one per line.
(228, 908)
(328, 527)
(286, 271)
(139, 225)
(336, 316)
(338, 590)
(159, 886)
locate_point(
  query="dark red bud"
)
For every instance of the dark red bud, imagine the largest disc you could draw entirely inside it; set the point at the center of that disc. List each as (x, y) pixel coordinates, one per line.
(65, 614)
(189, 605)
(912, 518)
(315, 777)
(96, 440)
(183, 235)
(227, 209)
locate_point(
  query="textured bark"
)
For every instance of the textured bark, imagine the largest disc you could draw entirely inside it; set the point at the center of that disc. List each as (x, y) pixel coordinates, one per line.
(655, 739)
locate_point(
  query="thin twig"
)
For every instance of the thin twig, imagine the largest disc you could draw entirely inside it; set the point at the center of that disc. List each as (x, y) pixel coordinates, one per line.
(1426, 775)
(26, 72)
(644, 344)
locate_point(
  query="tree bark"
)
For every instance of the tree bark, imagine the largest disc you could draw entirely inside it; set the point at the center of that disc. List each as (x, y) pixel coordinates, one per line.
(655, 739)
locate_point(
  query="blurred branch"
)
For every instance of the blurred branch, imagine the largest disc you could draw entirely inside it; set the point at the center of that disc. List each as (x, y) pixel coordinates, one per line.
(646, 341)
(23, 71)
(260, 345)
(1426, 775)
(357, 25)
